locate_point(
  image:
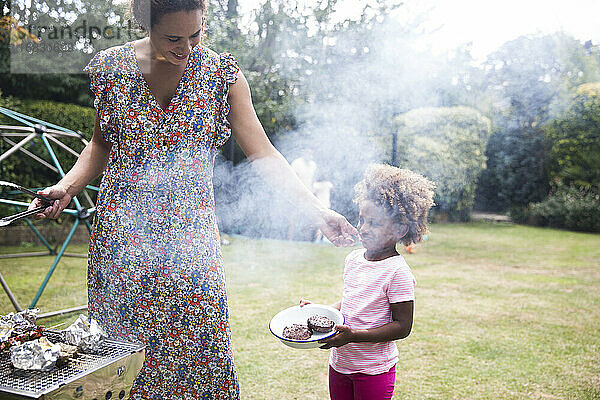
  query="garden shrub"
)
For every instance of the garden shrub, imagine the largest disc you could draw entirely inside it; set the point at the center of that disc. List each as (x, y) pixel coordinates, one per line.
(569, 207)
(516, 172)
(446, 145)
(70, 116)
(519, 214)
(21, 169)
(574, 157)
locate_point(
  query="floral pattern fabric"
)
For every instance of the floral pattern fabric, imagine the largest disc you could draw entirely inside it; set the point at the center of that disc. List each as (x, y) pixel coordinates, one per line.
(155, 269)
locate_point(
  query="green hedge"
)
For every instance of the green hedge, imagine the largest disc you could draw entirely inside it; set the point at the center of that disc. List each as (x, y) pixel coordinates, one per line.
(70, 116)
(569, 207)
(25, 171)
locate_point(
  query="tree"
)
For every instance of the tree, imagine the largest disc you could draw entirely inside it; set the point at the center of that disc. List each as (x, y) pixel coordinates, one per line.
(446, 145)
(574, 157)
(526, 83)
(67, 35)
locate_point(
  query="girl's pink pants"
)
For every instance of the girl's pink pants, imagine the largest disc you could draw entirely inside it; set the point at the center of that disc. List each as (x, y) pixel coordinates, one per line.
(361, 386)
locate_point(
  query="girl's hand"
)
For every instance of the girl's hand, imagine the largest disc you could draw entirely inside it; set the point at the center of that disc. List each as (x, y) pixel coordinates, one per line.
(344, 335)
(62, 200)
(337, 229)
(304, 302)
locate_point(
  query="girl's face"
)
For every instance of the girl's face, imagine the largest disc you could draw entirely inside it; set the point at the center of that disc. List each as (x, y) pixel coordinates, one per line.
(175, 34)
(376, 229)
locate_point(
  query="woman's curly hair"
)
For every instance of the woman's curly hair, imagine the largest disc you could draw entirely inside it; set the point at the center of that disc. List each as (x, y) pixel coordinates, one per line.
(405, 195)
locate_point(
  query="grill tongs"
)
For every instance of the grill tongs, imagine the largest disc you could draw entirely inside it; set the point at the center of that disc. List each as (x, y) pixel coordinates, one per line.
(46, 202)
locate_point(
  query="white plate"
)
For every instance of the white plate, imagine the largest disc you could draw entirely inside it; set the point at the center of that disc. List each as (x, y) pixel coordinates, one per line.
(299, 315)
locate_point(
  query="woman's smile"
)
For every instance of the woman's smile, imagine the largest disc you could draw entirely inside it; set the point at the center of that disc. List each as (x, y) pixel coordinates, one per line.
(180, 56)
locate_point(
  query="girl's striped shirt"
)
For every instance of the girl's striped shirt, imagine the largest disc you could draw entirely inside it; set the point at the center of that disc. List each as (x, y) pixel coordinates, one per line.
(369, 288)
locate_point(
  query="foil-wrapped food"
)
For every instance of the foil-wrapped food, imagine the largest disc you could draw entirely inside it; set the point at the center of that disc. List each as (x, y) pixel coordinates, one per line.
(25, 320)
(17, 324)
(35, 333)
(6, 330)
(85, 334)
(30, 350)
(39, 354)
(18, 328)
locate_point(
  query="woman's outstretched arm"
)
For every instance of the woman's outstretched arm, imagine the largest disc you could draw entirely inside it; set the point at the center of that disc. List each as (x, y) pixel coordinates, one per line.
(274, 168)
(91, 163)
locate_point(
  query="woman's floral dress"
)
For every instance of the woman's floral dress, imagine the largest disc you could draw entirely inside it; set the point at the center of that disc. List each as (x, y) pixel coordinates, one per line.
(155, 270)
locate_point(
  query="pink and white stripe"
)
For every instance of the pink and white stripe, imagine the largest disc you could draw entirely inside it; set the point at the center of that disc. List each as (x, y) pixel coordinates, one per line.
(369, 288)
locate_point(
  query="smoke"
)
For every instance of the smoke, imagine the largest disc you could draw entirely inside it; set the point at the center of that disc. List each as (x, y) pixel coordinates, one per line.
(358, 82)
(364, 75)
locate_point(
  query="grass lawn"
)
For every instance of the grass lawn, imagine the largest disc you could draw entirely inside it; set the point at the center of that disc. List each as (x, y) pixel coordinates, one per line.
(502, 312)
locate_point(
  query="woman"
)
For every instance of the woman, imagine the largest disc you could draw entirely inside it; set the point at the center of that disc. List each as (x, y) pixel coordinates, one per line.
(155, 271)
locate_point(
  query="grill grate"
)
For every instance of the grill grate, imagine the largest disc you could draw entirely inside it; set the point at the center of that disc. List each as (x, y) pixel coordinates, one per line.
(39, 382)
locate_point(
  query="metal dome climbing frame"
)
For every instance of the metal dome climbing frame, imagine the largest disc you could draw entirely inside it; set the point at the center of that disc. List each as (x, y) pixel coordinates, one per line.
(18, 137)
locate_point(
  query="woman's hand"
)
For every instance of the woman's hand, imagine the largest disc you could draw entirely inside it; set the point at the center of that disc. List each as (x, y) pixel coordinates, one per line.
(337, 229)
(61, 201)
(344, 335)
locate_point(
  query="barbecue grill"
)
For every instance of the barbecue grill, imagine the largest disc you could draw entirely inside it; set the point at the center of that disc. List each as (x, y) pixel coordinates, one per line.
(108, 374)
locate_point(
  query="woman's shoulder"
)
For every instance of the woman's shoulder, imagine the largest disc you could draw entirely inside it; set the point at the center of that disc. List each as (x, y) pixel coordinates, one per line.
(211, 54)
(109, 60)
(115, 50)
(207, 52)
(224, 64)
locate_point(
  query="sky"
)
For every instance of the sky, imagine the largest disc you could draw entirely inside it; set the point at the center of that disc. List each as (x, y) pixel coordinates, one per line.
(484, 23)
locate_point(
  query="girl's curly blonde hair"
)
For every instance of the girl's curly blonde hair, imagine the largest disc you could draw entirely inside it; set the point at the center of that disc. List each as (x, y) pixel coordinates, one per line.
(405, 195)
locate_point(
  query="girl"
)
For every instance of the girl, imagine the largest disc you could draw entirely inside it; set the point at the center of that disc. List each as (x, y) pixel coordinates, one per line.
(378, 297)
